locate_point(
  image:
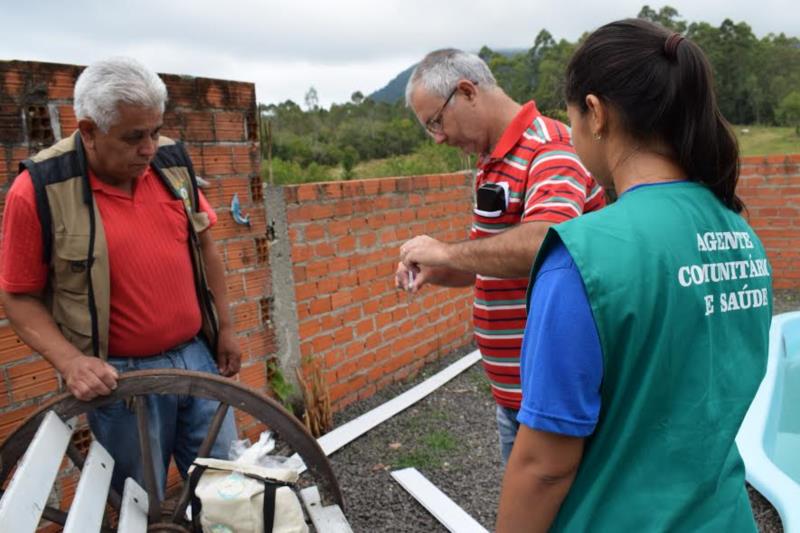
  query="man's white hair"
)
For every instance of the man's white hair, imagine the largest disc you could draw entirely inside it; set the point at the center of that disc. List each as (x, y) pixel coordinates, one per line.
(103, 85)
(441, 70)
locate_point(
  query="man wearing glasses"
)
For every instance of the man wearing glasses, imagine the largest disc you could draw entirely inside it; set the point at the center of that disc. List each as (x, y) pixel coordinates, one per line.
(528, 178)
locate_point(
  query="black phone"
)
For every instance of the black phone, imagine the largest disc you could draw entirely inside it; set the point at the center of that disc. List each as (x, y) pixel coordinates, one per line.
(491, 197)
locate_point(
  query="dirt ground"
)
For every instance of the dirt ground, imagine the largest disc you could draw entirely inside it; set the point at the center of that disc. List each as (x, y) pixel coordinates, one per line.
(451, 438)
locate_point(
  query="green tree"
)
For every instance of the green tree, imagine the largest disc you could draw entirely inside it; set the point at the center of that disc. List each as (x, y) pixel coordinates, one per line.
(789, 110)
(667, 16)
(312, 99)
(349, 160)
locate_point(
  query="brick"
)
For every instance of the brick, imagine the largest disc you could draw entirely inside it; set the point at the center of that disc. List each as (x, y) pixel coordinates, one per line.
(11, 419)
(234, 287)
(13, 83)
(254, 376)
(257, 283)
(67, 120)
(199, 127)
(319, 212)
(328, 285)
(246, 316)
(314, 232)
(317, 269)
(321, 304)
(30, 380)
(246, 158)
(219, 160)
(345, 244)
(11, 346)
(306, 193)
(305, 291)
(240, 254)
(229, 127)
(214, 95)
(66, 489)
(309, 328)
(181, 90)
(61, 84)
(259, 344)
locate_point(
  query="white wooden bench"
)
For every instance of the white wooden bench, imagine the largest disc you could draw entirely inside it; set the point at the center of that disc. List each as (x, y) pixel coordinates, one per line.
(23, 503)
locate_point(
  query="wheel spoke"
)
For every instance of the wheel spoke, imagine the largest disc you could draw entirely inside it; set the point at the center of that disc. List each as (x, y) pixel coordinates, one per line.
(148, 465)
(203, 451)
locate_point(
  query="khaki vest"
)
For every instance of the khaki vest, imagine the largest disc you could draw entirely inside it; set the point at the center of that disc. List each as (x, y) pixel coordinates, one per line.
(74, 243)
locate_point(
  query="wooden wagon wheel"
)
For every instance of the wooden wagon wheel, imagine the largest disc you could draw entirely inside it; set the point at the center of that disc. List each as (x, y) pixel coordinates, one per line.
(135, 386)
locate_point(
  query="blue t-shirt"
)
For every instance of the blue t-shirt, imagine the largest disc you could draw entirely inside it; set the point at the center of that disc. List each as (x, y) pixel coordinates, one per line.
(561, 362)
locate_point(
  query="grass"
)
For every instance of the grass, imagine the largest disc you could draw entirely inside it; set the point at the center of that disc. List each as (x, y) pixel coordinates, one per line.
(427, 159)
(767, 140)
(430, 451)
(480, 381)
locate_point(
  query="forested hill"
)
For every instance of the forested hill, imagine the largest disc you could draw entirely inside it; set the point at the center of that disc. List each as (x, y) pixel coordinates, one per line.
(395, 89)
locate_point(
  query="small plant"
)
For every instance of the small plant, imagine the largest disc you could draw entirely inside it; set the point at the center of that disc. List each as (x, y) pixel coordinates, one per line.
(480, 382)
(430, 451)
(318, 416)
(281, 388)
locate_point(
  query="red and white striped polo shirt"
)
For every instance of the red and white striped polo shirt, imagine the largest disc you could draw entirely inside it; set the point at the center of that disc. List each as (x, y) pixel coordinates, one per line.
(546, 182)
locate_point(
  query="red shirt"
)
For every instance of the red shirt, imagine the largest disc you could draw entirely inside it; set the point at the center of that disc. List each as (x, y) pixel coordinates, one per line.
(545, 181)
(153, 300)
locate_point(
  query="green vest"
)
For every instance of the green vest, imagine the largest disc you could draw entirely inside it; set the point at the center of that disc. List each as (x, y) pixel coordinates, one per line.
(680, 290)
(78, 292)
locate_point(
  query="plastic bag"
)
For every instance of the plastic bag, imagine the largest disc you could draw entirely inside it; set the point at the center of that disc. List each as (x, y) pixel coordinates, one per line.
(257, 454)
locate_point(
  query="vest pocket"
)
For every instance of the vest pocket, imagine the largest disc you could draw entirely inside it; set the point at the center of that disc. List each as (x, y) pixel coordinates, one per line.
(71, 312)
(71, 264)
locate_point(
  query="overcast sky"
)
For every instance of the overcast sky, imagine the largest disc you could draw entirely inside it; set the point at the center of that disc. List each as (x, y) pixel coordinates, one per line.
(337, 46)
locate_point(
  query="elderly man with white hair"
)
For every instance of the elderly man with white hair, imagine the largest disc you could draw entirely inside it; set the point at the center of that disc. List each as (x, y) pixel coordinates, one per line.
(108, 265)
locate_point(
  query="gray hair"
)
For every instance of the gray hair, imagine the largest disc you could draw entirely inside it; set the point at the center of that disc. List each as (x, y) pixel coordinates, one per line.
(440, 70)
(103, 85)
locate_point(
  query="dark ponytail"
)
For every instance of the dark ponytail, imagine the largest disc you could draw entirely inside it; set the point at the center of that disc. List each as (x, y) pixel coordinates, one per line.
(661, 85)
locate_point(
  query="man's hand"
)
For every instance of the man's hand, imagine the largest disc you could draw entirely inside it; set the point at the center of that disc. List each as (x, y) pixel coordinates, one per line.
(424, 251)
(229, 355)
(411, 279)
(89, 377)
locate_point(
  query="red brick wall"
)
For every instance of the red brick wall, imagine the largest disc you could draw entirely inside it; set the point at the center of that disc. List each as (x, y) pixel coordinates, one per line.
(344, 239)
(770, 187)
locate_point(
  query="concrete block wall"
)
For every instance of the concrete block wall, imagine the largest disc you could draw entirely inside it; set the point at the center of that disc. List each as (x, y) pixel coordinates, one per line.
(770, 188)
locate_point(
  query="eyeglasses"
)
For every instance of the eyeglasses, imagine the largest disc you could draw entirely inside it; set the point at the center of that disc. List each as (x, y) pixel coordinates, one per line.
(434, 124)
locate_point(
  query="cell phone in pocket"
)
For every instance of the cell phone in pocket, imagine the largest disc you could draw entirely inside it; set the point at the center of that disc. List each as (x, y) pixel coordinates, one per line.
(491, 199)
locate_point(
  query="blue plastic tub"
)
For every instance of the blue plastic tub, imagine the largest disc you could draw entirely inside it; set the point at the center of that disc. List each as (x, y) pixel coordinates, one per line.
(769, 439)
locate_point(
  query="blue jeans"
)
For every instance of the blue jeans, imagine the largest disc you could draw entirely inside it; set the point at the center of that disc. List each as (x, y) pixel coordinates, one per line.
(507, 427)
(177, 424)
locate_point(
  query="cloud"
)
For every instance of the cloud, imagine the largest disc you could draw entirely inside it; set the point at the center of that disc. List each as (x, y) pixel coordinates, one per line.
(338, 47)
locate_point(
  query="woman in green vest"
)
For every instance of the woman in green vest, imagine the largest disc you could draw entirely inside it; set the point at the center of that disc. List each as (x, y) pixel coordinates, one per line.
(647, 332)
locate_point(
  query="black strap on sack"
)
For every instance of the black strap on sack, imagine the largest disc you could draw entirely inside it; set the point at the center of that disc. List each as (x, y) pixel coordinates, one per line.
(270, 487)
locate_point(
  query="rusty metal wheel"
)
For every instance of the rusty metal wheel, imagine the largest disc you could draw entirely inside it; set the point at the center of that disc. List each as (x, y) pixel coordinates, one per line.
(134, 386)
